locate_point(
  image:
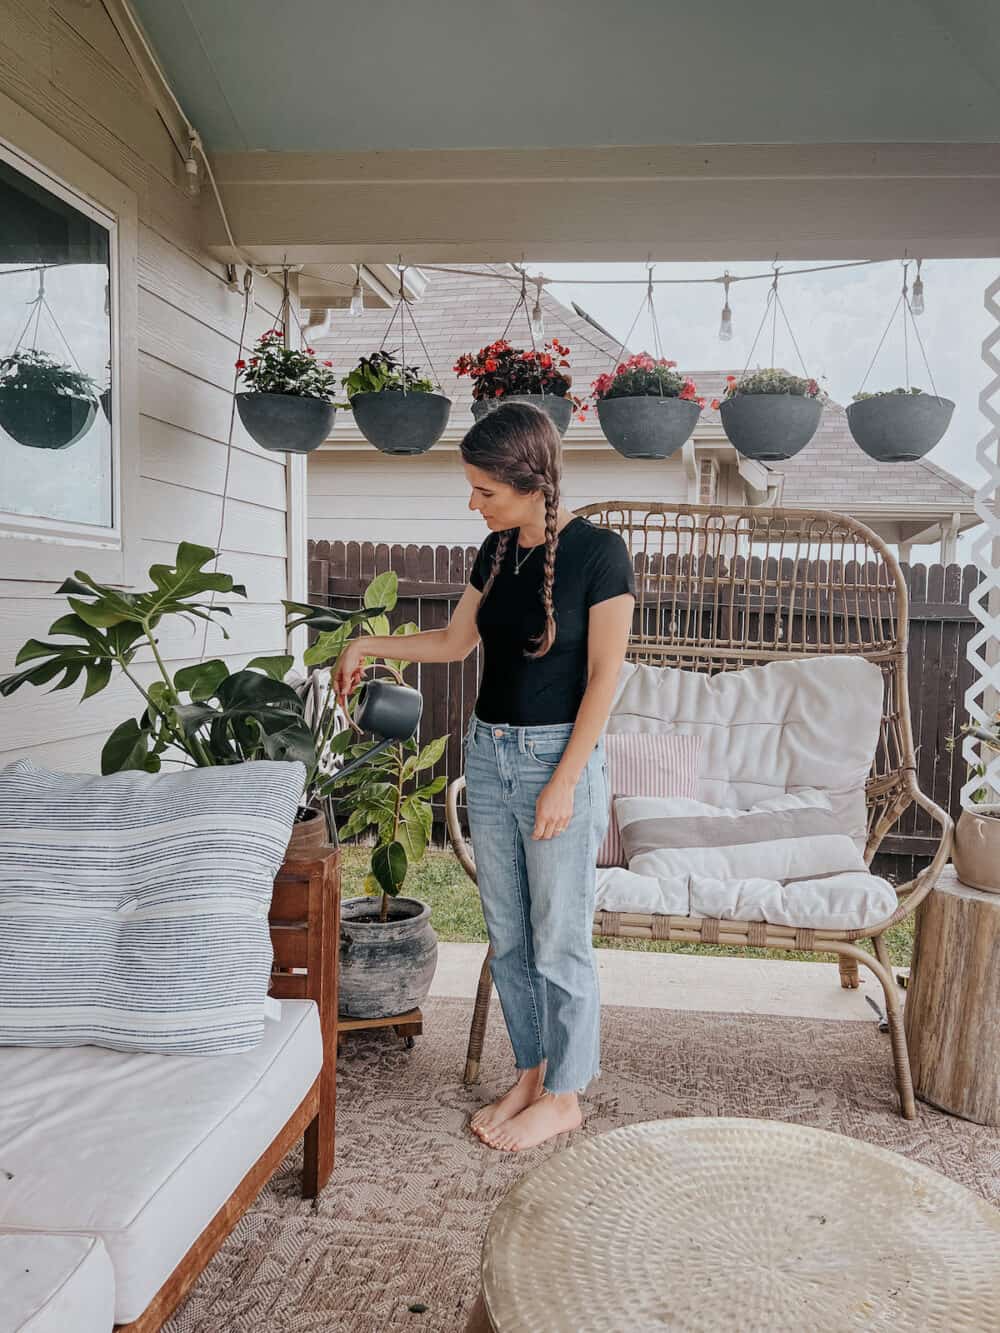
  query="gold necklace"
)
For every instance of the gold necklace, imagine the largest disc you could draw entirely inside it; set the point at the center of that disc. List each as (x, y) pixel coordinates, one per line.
(519, 563)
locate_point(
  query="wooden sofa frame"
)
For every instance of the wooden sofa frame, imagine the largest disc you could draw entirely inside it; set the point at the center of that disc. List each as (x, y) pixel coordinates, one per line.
(305, 933)
(718, 589)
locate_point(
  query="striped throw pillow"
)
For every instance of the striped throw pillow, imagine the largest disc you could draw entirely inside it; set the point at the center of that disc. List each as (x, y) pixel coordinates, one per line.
(646, 764)
(133, 908)
(787, 838)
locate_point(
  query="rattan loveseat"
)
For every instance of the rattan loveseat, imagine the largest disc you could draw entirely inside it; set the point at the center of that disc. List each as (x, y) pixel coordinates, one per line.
(721, 589)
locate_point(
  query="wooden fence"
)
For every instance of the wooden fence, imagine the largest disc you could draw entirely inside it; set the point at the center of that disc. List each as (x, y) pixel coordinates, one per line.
(432, 579)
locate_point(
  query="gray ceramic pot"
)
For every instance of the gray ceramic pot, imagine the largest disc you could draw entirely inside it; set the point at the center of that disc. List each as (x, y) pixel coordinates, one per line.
(286, 423)
(559, 410)
(401, 423)
(43, 420)
(386, 967)
(647, 426)
(899, 428)
(770, 427)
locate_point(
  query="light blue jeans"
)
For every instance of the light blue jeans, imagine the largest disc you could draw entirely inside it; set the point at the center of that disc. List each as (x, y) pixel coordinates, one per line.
(538, 896)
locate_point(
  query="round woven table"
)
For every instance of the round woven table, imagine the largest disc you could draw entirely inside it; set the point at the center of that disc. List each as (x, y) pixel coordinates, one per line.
(738, 1224)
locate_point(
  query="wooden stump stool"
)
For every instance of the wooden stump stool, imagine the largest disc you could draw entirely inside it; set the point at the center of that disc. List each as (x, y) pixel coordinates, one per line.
(952, 1015)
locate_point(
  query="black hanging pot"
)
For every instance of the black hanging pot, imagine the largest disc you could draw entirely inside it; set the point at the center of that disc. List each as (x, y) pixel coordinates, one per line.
(647, 426)
(770, 427)
(286, 423)
(41, 419)
(897, 427)
(401, 423)
(558, 410)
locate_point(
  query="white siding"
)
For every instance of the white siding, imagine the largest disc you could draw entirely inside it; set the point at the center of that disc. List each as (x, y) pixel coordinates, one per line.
(64, 63)
(359, 496)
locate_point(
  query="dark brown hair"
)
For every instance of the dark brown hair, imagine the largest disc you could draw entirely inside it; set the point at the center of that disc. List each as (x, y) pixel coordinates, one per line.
(518, 444)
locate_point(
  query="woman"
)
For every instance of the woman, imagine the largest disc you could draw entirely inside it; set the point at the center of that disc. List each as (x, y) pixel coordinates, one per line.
(551, 597)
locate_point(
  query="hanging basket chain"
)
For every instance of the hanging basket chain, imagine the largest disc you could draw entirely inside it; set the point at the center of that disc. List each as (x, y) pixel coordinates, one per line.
(907, 310)
(423, 346)
(760, 330)
(37, 304)
(781, 306)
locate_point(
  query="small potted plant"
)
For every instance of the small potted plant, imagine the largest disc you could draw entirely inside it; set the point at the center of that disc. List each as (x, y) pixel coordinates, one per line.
(288, 403)
(395, 407)
(976, 851)
(770, 415)
(647, 409)
(501, 372)
(45, 404)
(898, 425)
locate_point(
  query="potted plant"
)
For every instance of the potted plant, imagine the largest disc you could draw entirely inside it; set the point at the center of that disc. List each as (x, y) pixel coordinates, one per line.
(201, 715)
(395, 407)
(288, 404)
(770, 415)
(976, 850)
(501, 372)
(45, 404)
(388, 948)
(898, 425)
(646, 408)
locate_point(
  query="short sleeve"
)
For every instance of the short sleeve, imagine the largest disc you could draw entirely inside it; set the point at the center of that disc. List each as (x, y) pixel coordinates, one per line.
(481, 564)
(610, 570)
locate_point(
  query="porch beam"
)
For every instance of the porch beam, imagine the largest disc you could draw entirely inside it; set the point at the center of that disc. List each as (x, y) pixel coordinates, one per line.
(728, 202)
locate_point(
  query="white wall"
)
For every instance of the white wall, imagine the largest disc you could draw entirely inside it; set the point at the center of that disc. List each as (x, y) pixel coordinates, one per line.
(368, 496)
(64, 64)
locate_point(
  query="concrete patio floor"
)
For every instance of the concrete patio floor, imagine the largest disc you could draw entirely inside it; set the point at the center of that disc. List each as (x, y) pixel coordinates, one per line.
(694, 982)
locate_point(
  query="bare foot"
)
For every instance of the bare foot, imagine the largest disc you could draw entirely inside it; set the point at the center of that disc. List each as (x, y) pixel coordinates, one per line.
(552, 1114)
(526, 1090)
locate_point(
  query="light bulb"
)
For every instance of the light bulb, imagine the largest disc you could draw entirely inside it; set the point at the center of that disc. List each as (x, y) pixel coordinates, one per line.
(726, 324)
(537, 320)
(917, 298)
(191, 181)
(357, 300)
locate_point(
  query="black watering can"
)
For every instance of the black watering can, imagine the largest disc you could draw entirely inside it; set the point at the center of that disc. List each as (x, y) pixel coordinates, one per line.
(389, 711)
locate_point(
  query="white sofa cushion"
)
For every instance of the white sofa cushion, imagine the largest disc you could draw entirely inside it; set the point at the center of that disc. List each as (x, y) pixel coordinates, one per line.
(55, 1284)
(642, 763)
(133, 908)
(783, 727)
(143, 1150)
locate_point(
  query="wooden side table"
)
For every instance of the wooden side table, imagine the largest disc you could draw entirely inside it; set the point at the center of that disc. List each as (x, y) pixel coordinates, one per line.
(952, 1014)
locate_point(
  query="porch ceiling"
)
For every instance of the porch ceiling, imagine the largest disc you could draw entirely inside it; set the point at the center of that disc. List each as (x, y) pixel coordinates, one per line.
(472, 131)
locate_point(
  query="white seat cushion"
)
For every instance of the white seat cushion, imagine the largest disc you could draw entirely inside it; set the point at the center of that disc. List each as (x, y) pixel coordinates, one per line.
(55, 1284)
(766, 730)
(143, 1150)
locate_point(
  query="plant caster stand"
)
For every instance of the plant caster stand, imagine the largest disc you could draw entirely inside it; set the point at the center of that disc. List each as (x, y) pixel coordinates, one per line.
(408, 1026)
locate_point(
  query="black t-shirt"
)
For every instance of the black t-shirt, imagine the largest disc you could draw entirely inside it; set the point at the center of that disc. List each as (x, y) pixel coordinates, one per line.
(592, 565)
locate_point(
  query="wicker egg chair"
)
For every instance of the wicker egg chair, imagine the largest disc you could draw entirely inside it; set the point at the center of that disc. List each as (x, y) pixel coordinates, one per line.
(719, 589)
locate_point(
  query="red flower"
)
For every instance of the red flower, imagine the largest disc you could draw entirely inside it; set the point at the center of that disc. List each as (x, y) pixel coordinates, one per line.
(498, 392)
(730, 379)
(328, 363)
(491, 365)
(241, 365)
(715, 404)
(545, 360)
(310, 351)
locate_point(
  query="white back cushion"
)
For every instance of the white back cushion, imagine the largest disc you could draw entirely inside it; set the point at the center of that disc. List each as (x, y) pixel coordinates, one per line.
(133, 908)
(766, 730)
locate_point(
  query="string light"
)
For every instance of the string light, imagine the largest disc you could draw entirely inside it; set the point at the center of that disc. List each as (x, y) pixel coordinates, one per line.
(917, 293)
(357, 294)
(192, 182)
(537, 317)
(726, 322)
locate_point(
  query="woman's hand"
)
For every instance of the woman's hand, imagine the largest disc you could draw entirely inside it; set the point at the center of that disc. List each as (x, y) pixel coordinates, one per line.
(347, 672)
(554, 808)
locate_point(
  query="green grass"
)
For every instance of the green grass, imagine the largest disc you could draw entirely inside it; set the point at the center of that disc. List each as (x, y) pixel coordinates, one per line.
(457, 917)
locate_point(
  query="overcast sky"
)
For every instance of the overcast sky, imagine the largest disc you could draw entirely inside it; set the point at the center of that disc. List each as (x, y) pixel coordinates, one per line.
(837, 318)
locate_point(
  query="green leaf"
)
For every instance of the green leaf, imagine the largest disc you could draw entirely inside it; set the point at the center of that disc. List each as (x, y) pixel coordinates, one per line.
(389, 867)
(378, 625)
(328, 647)
(160, 694)
(201, 680)
(432, 752)
(322, 618)
(371, 886)
(275, 667)
(383, 591)
(413, 837)
(98, 676)
(126, 748)
(99, 614)
(194, 715)
(431, 788)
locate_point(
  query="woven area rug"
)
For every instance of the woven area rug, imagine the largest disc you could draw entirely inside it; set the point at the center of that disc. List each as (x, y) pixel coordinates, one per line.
(403, 1218)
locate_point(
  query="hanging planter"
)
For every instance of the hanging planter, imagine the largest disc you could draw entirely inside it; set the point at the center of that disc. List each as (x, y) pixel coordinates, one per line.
(769, 415)
(558, 410)
(288, 407)
(646, 409)
(394, 406)
(899, 425)
(45, 404)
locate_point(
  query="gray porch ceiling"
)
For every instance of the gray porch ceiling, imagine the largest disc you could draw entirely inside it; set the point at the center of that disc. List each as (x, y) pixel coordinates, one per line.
(308, 75)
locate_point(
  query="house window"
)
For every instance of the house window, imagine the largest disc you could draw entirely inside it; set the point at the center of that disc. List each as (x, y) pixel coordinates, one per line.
(57, 397)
